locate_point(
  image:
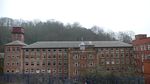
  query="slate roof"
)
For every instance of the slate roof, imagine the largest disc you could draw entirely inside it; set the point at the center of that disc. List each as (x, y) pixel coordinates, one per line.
(16, 43)
(71, 44)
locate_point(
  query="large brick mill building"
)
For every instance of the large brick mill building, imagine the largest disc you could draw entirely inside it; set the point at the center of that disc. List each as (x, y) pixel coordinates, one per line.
(66, 58)
(141, 46)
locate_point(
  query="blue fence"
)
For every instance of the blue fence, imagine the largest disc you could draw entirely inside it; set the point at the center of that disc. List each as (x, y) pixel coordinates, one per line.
(46, 79)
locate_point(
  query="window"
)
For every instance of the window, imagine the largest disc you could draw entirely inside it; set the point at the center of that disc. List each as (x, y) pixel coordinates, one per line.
(65, 63)
(145, 47)
(107, 69)
(48, 71)
(141, 47)
(102, 61)
(26, 50)
(111, 55)
(26, 56)
(38, 63)
(148, 46)
(65, 56)
(76, 64)
(37, 55)
(8, 48)
(43, 63)
(43, 71)
(59, 63)
(37, 71)
(27, 63)
(60, 70)
(32, 49)
(91, 64)
(122, 61)
(65, 70)
(122, 55)
(60, 50)
(37, 50)
(54, 70)
(60, 56)
(54, 50)
(76, 72)
(44, 56)
(32, 63)
(13, 63)
(117, 61)
(148, 57)
(107, 62)
(112, 61)
(8, 63)
(17, 63)
(32, 56)
(107, 55)
(32, 70)
(54, 63)
(7, 70)
(54, 56)
(102, 55)
(49, 63)
(17, 56)
(75, 56)
(18, 49)
(90, 56)
(43, 49)
(13, 49)
(26, 70)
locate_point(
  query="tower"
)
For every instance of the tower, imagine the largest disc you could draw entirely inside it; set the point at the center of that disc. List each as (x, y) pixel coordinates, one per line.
(18, 34)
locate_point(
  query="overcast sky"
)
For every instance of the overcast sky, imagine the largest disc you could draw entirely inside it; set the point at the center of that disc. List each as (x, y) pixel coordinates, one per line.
(115, 15)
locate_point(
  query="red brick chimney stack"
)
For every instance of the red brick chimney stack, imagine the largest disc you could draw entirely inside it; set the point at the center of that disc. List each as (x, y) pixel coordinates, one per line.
(17, 34)
(140, 36)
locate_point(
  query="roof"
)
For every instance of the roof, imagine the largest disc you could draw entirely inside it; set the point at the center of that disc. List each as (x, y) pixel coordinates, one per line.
(141, 41)
(16, 43)
(1, 55)
(71, 44)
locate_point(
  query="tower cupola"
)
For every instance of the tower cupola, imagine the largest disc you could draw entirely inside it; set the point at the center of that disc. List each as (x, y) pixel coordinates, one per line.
(17, 34)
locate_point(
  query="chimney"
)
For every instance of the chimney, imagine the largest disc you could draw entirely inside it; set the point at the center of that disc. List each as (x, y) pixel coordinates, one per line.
(140, 36)
(17, 34)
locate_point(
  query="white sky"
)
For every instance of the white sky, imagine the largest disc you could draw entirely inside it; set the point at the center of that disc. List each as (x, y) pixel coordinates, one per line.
(115, 15)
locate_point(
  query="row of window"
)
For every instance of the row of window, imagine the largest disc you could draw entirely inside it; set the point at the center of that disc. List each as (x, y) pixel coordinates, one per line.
(48, 56)
(83, 65)
(116, 49)
(89, 56)
(13, 63)
(115, 55)
(115, 61)
(45, 71)
(54, 50)
(45, 64)
(116, 68)
(77, 56)
(14, 71)
(142, 47)
(13, 49)
(17, 56)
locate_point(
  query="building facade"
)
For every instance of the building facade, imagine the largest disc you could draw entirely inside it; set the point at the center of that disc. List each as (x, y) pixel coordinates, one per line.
(66, 58)
(75, 58)
(13, 52)
(141, 46)
(1, 62)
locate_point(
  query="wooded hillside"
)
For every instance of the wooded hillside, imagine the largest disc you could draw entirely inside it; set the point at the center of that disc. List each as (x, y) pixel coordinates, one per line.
(52, 30)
